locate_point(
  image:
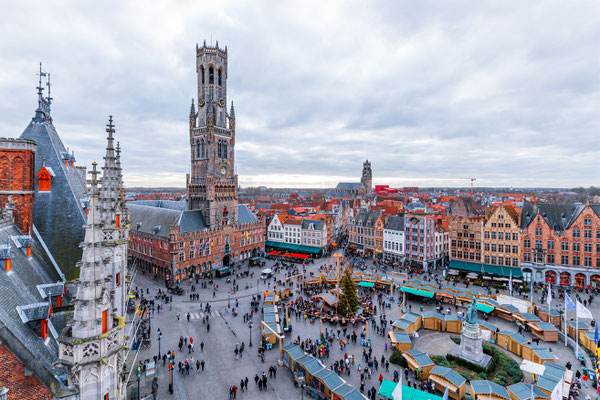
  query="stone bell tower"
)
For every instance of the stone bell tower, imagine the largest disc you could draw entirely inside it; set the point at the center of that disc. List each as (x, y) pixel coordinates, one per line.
(367, 176)
(212, 185)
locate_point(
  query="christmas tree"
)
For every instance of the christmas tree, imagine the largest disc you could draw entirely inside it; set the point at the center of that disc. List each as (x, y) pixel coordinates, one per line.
(348, 303)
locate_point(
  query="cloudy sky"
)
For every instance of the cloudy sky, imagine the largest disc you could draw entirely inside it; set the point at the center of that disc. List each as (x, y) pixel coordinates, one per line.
(430, 92)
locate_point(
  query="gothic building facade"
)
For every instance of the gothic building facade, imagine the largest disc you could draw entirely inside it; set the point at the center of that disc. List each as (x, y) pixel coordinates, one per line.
(353, 189)
(209, 229)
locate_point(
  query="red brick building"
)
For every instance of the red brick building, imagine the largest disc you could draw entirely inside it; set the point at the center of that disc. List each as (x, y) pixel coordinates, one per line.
(17, 160)
(560, 243)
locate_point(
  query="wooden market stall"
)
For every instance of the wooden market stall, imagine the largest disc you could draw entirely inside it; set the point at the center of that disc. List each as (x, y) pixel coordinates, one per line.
(445, 295)
(417, 360)
(544, 330)
(290, 354)
(452, 323)
(325, 381)
(571, 327)
(347, 392)
(486, 390)
(409, 323)
(400, 340)
(506, 311)
(434, 321)
(444, 378)
(387, 388)
(522, 391)
(308, 365)
(488, 326)
(512, 341)
(552, 317)
(587, 340)
(537, 354)
(526, 318)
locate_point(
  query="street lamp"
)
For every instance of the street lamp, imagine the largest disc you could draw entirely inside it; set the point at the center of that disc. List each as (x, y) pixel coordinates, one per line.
(228, 304)
(170, 378)
(250, 327)
(138, 373)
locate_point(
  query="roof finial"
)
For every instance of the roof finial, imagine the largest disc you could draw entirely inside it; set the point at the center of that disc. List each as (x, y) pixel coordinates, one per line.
(94, 172)
(232, 111)
(43, 161)
(110, 128)
(49, 98)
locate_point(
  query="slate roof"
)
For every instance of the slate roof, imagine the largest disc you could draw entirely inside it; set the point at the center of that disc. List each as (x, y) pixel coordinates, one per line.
(553, 369)
(558, 216)
(546, 326)
(58, 214)
(542, 352)
(421, 358)
(485, 387)
(245, 216)
(317, 224)
(547, 382)
(517, 337)
(20, 292)
(488, 325)
(401, 337)
(366, 217)
(51, 289)
(522, 391)
(395, 223)
(449, 374)
(349, 185)
(530, 317)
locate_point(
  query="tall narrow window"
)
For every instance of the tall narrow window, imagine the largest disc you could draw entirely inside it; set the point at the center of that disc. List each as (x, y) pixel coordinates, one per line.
(211, 76)
(224, 151)
(202, 149)
(202, 73)
(220, 73)
(104, 321)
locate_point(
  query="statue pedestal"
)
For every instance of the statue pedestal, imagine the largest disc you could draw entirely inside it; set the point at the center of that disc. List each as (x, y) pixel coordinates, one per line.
(471, 346)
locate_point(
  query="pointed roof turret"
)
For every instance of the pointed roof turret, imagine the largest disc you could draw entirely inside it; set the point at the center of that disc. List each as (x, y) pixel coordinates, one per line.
(43, 110)
(109, 193)
(232, 111)
(192, 110)
(91, 297)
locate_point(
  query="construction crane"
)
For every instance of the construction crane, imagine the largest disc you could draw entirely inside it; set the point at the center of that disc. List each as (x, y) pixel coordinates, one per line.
(472, 180)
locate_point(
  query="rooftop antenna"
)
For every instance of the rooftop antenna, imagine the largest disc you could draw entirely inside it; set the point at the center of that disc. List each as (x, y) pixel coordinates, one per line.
(49, 86)
(40, 87)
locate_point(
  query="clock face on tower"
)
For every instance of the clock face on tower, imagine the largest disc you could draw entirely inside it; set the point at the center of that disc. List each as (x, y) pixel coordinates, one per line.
(223, 170)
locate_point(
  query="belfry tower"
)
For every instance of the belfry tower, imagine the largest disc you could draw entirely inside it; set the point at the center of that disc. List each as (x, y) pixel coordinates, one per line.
(212, 185)
(367, 176)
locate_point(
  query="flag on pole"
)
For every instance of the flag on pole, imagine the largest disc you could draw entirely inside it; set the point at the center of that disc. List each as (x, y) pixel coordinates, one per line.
(445, 397)
(246, 235)
(569, 303)
(204, 245)
(583, 312)
(549, 299)
(397, 393)
(510, 283)
(532, 395)
(131, 295)
(596, 338)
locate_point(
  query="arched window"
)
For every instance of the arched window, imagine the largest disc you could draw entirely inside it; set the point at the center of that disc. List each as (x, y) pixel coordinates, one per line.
(219, 149)
(197, 149)
(211, 76)
(202, 73)
(220, 73)
(202, 149)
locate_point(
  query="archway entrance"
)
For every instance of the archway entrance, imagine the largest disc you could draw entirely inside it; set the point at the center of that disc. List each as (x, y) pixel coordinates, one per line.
(565, 279)
(551, 277)
(579, 280)
(226, 260)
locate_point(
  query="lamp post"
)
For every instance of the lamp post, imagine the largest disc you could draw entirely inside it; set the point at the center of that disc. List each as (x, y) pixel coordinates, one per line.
(138, 374)
(250, 327)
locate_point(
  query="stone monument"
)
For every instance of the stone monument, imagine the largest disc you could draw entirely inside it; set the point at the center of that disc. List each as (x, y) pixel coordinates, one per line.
(471, 348)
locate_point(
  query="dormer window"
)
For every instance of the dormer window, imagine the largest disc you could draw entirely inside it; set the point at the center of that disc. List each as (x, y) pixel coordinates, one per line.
(45, 176)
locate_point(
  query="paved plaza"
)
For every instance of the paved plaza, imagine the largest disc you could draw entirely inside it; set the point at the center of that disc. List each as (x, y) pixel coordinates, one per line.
(223, 369)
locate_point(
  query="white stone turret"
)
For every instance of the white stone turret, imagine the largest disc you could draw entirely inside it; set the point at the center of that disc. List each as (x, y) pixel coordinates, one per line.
(92, 345)
(115, 220)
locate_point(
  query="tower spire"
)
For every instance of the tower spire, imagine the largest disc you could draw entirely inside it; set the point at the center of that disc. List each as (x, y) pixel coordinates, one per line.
(43, 109)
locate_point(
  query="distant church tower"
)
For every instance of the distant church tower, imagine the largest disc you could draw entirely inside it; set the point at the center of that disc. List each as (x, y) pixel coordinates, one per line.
(91, 345)
(367, 176)
(212, 185)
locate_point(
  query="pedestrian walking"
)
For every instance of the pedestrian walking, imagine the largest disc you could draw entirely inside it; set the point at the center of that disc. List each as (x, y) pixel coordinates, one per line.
(202, 364)
(202, 347)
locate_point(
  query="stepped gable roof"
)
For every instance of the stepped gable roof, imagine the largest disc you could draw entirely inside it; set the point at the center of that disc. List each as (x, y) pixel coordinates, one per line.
(366, 217)
(395, 223)
(558, 216)
(59, 214)
(21, 305)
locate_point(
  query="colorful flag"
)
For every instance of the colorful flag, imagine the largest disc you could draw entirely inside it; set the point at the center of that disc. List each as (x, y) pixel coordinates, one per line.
(246, 235)
(510, 283)
(583, 312)
(532, 395)
(131, 295)
(549, 299)
(569, 303)
(211, 243)
(596, 338)
(204, 245)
